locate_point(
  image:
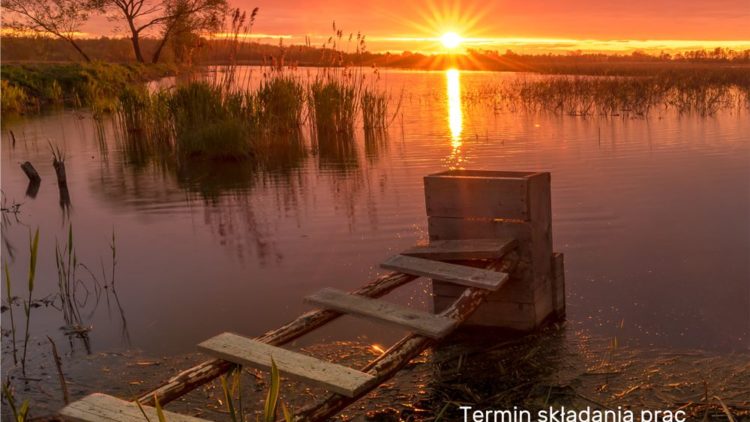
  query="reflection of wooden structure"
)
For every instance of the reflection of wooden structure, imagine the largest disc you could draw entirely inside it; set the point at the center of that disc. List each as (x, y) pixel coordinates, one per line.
(490, 258)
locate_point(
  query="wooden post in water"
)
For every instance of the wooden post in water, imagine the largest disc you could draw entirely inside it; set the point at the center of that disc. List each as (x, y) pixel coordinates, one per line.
(470, 204)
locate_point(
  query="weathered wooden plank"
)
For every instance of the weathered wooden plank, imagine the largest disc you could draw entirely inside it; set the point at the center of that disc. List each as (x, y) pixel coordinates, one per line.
(479, 194)
(101, 407)
(246, 351)
(458, 274)
(443, 228)
(460, 249)
(426, 324)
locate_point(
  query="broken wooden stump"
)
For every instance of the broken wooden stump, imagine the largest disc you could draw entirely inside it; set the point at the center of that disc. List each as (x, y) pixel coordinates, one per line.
(35, 180)
(31, 173)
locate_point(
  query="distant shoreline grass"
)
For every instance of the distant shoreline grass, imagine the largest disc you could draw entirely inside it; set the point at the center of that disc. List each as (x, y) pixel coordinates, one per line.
(30, 88)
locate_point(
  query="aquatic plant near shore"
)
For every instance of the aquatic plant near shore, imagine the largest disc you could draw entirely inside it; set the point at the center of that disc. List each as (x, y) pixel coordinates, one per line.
(143, 123)
(33, 249)
(231, 387)
(210, 121)
(19, 413)
(333, 107)
(280, 102)
(374, 110)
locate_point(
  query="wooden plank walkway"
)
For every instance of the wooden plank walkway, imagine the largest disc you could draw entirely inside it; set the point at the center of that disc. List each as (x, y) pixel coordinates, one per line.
(457, 274)
(424, 323)
(246, 351)
(346, 385)
(101, 407)
(462, 249)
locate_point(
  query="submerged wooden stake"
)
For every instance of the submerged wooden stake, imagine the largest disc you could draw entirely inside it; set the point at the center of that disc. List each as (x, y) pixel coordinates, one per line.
(31, 172)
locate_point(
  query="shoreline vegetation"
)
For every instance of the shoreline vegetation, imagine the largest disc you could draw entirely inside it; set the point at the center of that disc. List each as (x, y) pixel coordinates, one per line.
(29, 88)
(229, 112)
(39, 72)
(233, 114)
(626, 88)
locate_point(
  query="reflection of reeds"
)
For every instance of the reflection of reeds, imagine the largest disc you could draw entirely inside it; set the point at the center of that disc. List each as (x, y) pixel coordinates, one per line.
(67, 263)
(10, 310)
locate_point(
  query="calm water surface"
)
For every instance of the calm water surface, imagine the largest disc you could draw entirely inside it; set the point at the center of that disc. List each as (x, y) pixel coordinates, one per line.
(652, 214)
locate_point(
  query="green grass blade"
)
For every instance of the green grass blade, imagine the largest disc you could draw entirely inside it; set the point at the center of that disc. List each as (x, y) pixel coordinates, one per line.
(228, 398)
(288, 416)
(159, 411)
(34, 248)
(272, 398)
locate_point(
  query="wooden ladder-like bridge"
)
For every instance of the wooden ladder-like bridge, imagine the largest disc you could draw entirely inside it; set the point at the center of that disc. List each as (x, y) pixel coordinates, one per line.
(491, 263)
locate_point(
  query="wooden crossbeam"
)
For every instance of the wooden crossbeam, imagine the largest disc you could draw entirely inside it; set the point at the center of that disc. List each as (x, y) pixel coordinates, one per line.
(101, 407)
(463, 249)
(246, 351)
(451, 273)
(424, 323)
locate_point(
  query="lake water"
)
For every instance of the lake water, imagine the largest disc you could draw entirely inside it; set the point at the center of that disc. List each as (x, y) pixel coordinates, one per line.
(653, 215)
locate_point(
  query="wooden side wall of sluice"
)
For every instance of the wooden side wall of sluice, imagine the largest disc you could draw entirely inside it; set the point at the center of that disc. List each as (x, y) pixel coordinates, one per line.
(467, 204)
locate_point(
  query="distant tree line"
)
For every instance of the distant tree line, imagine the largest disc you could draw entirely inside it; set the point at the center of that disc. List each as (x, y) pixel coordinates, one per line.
(169, 22)
(181, 31)
(187, 46)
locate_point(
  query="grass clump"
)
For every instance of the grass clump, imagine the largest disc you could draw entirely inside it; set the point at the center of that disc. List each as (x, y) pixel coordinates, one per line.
(14, 98)
(211, 122)
(374, 110)
(333, 107)
(280, 103)
(144, 124)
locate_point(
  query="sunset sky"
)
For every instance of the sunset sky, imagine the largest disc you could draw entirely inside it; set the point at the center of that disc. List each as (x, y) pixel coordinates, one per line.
(528, 26)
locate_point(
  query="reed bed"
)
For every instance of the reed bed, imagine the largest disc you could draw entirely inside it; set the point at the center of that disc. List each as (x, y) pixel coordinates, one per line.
(221, 120)
(234, 115)
(702, 93)
(333, 105)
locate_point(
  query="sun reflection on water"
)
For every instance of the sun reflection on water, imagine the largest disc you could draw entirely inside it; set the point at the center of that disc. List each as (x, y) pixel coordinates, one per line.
(455, 117)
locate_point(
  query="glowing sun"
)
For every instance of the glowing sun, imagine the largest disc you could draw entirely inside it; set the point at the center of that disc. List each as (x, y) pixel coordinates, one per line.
(451, 40)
